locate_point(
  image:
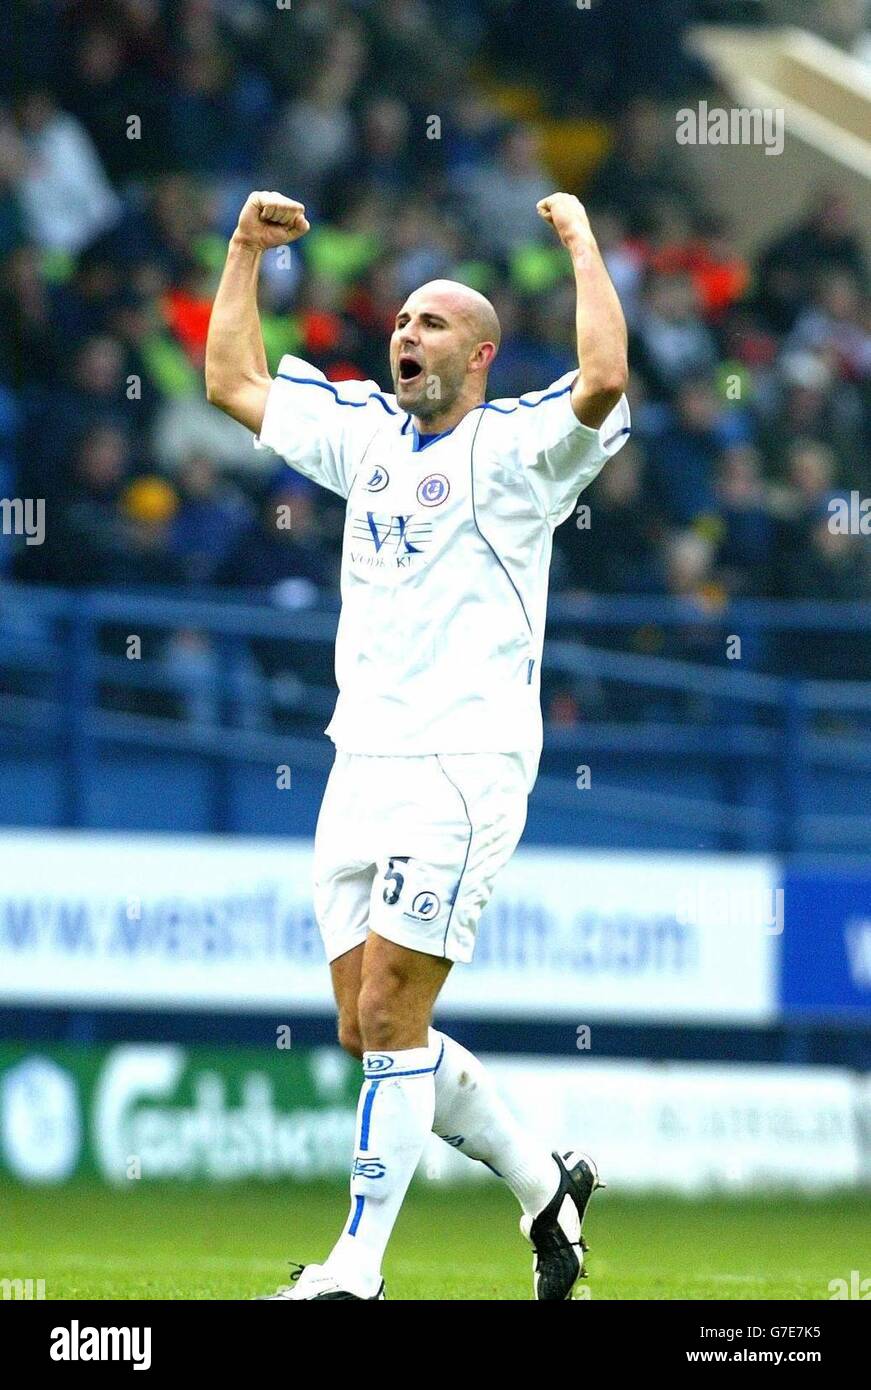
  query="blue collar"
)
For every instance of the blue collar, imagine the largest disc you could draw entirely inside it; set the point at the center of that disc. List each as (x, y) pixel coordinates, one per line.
(423, 441)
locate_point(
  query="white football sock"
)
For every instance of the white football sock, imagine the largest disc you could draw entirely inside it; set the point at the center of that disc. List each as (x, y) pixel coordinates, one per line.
(472, 1117)
(394, 1120)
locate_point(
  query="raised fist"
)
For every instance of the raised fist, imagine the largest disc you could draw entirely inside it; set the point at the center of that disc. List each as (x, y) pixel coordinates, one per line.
(568, 217)
(270, 219)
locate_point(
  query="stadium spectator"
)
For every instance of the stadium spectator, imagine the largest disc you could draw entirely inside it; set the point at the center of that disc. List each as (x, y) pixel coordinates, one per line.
(614, 549)
(65, 195)
(684, 455)
(13, 232)
(147, 506)
(210, 517)
(281, 553)
(29, 346)
(673, 341)
(500, 199)
(834, 327)
(826, 239)
(316, 135)
(384, 164)
(86, 539)
(643, 168)
(102, 92)
(747, 526)
(470, 136)
(832, 565)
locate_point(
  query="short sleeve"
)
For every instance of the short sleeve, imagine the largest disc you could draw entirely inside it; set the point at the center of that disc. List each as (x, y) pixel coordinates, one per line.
(559, 456)
(321, 427)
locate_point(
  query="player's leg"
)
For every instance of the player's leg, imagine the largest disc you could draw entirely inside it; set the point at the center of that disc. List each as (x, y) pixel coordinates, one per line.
(489, 793)
(398, 988)
(346, 974)
(472, 1117)
(469, 1113)
(553, 1189)
(344, 872)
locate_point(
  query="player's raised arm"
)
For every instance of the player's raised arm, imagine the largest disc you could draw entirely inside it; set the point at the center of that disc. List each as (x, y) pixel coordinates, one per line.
(601, 327)
(237, 376)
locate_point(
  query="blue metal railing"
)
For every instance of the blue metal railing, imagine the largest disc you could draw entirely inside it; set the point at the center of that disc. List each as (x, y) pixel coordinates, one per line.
(59, 682)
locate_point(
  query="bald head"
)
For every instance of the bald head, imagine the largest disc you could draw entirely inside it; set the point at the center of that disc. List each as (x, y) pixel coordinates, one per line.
(445, 339)
(473, 308)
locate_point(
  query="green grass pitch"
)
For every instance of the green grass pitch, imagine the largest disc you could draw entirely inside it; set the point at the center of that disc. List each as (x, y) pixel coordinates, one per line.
(175, 1242)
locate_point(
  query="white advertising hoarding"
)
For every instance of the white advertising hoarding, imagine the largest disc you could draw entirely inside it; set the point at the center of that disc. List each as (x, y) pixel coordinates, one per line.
(201, 922)
(688, 1128)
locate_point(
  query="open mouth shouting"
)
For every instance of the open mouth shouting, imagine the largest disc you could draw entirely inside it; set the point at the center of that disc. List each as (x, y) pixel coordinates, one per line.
(410, 370)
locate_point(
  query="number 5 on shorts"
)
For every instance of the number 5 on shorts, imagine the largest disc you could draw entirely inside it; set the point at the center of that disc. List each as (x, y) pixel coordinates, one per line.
(391, 895)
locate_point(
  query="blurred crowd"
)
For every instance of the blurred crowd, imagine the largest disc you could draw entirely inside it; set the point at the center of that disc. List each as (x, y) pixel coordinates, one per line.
(130, 134)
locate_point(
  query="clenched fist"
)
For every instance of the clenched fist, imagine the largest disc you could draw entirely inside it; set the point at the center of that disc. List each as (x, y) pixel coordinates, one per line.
(270, 219)
(568, 217)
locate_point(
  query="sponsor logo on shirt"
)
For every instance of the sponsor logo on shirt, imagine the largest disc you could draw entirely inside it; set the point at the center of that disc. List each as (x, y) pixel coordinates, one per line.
(388, 541)
(433, 490)
(379, 479)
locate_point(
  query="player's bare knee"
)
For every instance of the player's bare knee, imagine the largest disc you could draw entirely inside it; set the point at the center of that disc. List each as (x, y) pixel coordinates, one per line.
(383, 1014)
(380, 1024)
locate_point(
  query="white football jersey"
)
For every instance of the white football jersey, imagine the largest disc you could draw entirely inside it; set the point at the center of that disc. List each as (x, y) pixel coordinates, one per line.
(445, 557)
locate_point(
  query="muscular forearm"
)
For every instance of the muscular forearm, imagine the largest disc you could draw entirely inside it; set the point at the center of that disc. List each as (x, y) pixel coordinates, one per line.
(237, 374)
(602, 338)
(236, 370)
(602, 351)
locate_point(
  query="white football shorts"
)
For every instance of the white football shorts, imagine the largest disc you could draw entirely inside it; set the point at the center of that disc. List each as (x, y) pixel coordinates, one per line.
(409, 847)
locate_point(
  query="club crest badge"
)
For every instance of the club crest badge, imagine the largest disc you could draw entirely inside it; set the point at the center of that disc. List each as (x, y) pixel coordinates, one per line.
(433, 490)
